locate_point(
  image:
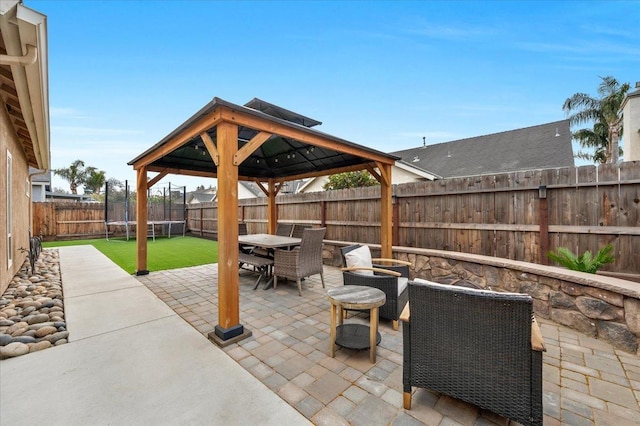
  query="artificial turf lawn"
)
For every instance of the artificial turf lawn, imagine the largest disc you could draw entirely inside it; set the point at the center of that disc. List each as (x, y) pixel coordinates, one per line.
(163, 253)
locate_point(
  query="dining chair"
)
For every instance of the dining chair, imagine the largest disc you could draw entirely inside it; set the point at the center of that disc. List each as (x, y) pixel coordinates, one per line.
(301, 262)
(298, 229)
(284, 229)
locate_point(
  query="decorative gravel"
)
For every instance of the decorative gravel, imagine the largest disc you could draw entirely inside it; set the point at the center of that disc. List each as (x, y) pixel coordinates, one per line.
(32, 309)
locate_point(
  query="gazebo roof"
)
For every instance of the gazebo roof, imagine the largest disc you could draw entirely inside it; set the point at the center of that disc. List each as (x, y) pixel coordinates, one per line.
(293, 149)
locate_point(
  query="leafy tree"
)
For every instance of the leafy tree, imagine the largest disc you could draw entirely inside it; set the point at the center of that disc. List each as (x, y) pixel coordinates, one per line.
(115, 184)
(94, 179)
(605, 113)
(350, 180)
(586, 262)
(74, 174)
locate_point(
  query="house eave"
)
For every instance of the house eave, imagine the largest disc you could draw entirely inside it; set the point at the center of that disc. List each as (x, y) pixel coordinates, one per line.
(23, 27)
(401, 164)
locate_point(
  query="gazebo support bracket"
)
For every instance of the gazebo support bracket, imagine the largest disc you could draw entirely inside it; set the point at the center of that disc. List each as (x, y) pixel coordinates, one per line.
(225, 337)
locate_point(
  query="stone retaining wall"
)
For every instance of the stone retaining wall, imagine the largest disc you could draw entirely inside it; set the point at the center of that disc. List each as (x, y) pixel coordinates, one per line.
(599, 306)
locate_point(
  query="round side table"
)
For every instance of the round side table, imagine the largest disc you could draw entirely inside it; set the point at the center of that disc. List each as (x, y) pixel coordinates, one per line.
(355, 336)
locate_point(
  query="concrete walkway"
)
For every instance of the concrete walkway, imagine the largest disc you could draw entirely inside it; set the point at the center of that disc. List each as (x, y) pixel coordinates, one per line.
(130, 360)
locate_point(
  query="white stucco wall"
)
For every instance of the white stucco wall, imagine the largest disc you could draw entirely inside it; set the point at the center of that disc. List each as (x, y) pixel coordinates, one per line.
(37, 192)
(631, 125)
(244, 193)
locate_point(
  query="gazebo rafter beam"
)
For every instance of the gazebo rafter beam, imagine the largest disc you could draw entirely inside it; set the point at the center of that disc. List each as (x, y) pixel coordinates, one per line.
(262, 188)
(255, 143)
(180, 139)
(157, 178)
(211, 147)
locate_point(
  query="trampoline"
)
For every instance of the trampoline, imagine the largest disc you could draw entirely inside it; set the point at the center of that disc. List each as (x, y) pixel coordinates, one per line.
(166, 208)
(150, 224)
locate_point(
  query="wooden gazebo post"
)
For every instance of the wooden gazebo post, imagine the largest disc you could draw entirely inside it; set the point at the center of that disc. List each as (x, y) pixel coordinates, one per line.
(228, 326)
(386, 211)
(272, 209)
(141, 221)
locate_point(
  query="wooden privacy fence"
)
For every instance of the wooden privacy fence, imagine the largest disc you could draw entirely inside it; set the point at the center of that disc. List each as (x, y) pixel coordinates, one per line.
(519, 216)
(62, 220)
(68, 220)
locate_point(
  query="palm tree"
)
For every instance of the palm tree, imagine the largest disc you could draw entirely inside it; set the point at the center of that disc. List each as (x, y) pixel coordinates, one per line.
(74, 174)
(595, 139)
(605, 113)
(94, 179)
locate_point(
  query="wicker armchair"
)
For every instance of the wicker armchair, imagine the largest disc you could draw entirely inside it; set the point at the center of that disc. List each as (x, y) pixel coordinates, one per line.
(474, 345)
(391, 277)
(302, 261)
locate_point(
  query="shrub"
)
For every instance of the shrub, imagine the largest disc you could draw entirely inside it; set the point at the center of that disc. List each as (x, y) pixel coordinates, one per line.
(586, 262)
(350, 180)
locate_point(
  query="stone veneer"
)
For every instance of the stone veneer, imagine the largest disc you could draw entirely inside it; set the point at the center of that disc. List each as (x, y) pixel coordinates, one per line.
(599, 306)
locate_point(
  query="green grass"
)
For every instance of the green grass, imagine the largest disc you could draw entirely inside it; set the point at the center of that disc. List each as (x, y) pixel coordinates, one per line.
(163, 253)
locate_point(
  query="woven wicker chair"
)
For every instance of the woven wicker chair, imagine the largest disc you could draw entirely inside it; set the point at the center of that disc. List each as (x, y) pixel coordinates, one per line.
(301, 262)
(390, 278)
(298, 230)
(242, 230)
(476, 346)
(284, 229)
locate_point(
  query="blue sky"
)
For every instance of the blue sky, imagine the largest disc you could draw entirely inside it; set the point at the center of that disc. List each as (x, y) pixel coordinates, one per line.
(124, 74)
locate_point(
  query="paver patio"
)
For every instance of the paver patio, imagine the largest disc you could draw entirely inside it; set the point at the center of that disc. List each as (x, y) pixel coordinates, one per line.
(586, 381)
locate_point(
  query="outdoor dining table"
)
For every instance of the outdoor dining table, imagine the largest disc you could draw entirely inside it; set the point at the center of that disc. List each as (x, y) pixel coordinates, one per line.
(268, 242)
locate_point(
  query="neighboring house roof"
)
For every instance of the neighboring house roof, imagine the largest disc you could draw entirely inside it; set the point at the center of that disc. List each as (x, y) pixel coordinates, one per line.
(293, 186)
(531, 148)
(253, 188)
(200, 197)
(25, 78)
(64, 196)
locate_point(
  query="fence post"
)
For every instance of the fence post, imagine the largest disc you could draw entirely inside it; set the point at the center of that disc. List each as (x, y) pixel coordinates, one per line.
(323, 213)
(395, 217)
(543, 220)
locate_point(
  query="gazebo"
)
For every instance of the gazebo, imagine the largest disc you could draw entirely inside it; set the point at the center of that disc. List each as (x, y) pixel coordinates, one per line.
(258, 142)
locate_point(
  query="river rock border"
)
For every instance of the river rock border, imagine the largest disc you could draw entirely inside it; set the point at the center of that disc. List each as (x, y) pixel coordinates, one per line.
(32, 309)
(599, 306)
